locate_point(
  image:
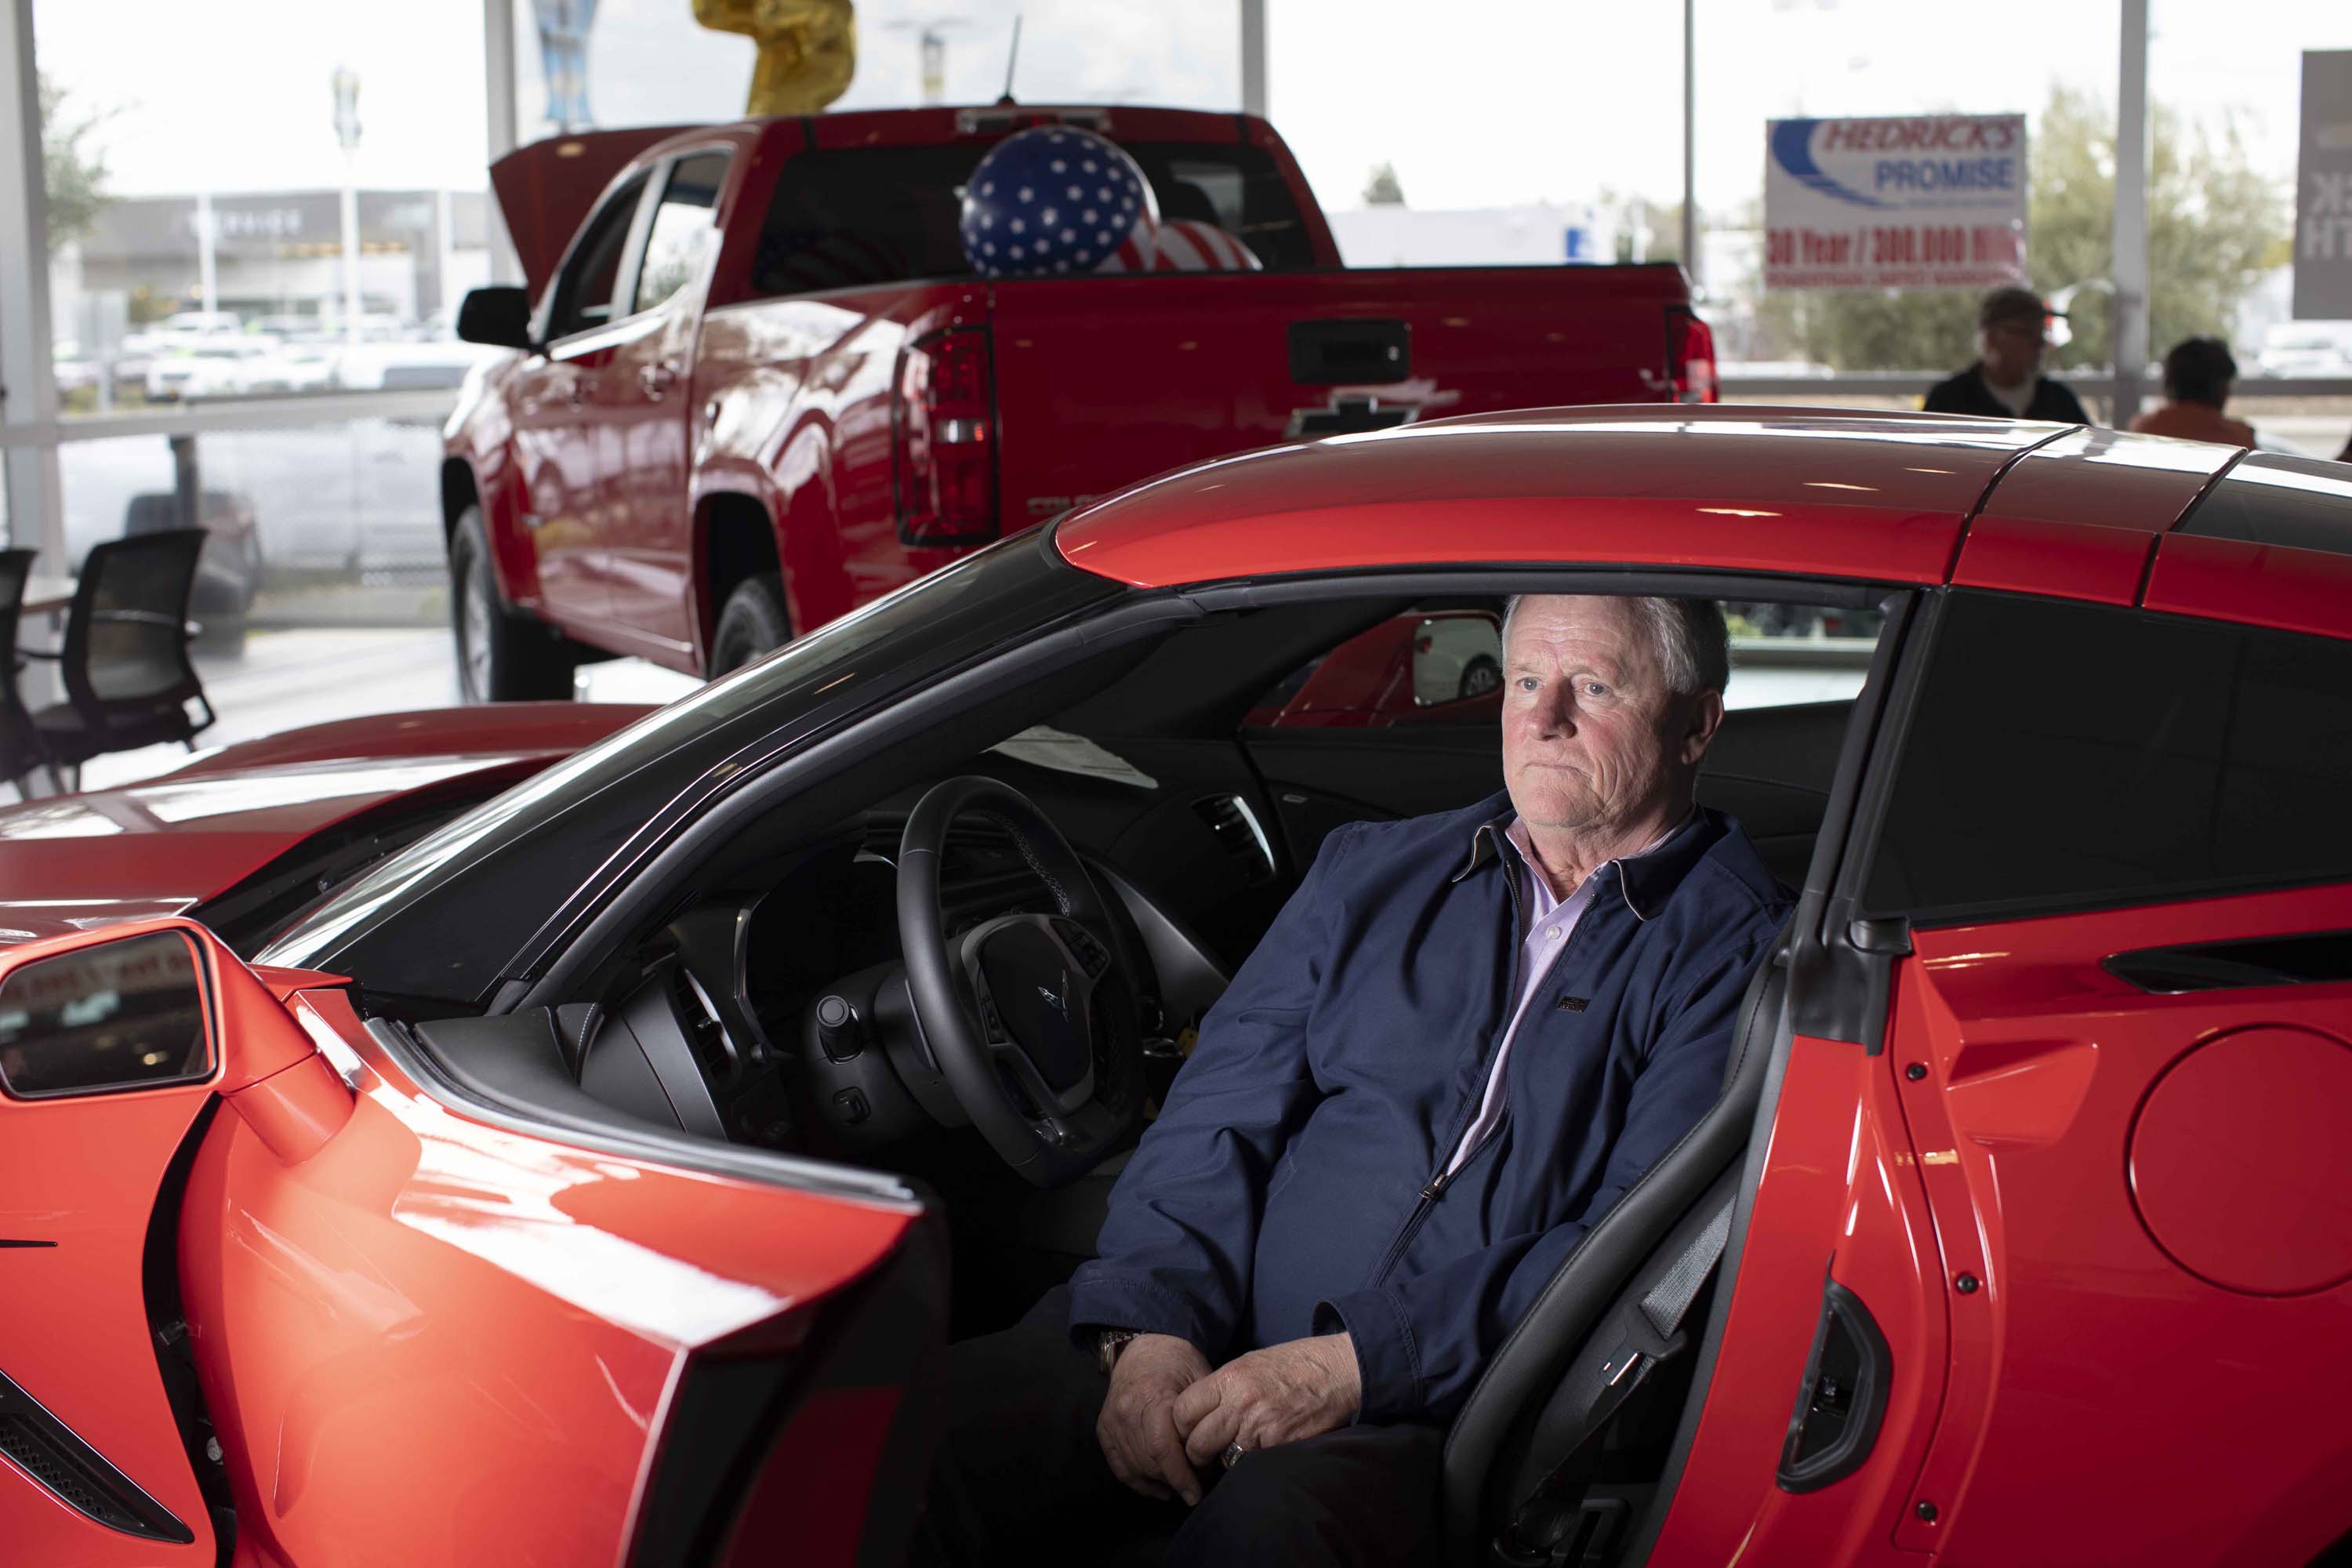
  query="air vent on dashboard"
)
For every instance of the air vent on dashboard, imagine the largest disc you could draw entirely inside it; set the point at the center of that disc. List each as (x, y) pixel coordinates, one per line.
(1236, 826)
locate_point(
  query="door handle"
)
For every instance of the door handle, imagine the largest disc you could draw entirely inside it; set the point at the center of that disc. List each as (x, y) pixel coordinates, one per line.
(657, 378)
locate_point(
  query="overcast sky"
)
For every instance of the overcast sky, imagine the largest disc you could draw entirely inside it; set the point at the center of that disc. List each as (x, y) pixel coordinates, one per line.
(1478, 103)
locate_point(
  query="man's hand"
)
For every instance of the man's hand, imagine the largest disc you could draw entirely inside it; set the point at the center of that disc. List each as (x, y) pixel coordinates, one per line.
(1280, 1394)
(1138, 1433)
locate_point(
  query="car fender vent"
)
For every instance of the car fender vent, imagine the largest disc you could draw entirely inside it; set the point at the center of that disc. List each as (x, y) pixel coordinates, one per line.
(1239, 832)
(42, 1447)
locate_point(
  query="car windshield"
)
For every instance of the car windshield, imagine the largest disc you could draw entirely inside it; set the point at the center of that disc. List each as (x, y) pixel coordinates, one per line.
(440, 918)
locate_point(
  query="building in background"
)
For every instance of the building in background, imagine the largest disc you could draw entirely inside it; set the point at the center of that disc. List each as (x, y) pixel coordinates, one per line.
(130, 293)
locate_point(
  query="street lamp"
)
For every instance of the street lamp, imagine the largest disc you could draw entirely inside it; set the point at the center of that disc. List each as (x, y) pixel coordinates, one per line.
(932, 36)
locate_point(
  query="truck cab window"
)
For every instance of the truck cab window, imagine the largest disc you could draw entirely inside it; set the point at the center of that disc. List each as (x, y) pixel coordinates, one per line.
(592, 273)
(855, 217)
(683, 233)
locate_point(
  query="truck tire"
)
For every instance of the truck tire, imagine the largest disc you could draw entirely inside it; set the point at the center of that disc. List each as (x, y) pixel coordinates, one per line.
(751, 625)
(502, 657)
(1479, 677)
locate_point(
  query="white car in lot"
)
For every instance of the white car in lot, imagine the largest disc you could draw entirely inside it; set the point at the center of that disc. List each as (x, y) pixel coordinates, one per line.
(2307, 349)
(294, 367)
(216, 367)
(411, 366)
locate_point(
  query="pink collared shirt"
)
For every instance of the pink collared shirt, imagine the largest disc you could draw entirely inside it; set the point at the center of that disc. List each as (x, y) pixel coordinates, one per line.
(1550, 922)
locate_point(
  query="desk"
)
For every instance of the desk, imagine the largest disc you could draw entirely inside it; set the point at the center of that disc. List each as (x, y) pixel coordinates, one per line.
(48, 596)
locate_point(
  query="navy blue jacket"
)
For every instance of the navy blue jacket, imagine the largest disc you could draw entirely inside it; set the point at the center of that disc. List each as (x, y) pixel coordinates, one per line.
(1286, 1188)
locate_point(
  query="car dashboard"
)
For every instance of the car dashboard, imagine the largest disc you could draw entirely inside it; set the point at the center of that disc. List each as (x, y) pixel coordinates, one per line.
(776, 1013)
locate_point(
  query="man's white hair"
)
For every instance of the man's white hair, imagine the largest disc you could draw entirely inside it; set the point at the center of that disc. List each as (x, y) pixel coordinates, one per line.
(1692, 643)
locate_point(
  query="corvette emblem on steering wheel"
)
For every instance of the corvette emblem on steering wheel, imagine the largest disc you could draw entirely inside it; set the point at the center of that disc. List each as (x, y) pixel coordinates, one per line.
(1057, 997)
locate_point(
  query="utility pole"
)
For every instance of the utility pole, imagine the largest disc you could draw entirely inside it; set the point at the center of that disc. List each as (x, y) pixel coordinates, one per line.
(208, 266)
(1690, 141)
(347, 131)
(2130, 337)
(1253, 88)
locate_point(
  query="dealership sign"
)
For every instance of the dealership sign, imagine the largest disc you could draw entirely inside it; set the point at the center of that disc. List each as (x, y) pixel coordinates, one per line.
(2323, 189)
(1932, 202)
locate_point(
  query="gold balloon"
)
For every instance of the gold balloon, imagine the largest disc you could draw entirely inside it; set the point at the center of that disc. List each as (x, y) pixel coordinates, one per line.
(808, 48)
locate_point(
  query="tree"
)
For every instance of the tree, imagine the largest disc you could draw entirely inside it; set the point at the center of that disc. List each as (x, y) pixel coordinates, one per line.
(1381, 188)
(2216, 223)
(74, 171)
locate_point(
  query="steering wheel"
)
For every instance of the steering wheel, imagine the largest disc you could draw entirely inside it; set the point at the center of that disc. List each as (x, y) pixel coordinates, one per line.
(1032, 1018)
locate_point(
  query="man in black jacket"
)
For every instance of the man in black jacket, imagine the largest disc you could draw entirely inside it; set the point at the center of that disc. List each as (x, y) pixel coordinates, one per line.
(2006, 381)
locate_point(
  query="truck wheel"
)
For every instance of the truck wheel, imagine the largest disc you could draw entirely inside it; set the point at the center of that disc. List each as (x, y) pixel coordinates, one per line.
(751, 625)
(502, 657)
(1479, 677)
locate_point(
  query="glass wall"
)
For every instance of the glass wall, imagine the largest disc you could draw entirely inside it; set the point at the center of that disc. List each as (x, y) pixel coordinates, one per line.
(290, 205)
(2226, 83)
(645, 62)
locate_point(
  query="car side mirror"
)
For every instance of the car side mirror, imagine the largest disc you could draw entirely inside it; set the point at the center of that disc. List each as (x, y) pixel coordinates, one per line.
(161, 1005)
(499, 315)
(115, 1015)
(1456, 658)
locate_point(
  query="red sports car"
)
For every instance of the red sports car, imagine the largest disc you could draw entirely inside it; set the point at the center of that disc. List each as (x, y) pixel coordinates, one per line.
(401, 1171)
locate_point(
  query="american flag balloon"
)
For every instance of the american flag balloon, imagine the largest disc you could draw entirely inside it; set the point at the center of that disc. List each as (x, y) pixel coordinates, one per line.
(1191, 244)
(1054, 199)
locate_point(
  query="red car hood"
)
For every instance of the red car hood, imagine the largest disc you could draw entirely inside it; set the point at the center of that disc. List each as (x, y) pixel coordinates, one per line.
(156, 847)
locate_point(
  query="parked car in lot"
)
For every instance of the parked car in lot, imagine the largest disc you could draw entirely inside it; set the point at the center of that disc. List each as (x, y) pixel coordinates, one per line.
(293, 367)
(410, 366)
(757, 384)
(212, 367)
(402, 1171)
(2307, 349)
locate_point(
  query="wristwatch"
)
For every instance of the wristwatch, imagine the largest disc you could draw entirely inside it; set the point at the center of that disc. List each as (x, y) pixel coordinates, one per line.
(1108, 1343)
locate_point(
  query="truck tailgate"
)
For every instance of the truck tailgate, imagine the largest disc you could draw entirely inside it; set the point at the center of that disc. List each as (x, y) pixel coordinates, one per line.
(1103, 379)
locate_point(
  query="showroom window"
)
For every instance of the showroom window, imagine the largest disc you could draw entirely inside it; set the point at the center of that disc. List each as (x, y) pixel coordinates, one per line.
(683, 234)
(2067, 756)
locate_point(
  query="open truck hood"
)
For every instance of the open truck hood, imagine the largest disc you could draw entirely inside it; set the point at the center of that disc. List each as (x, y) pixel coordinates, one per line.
(545, 190)
(164, 844)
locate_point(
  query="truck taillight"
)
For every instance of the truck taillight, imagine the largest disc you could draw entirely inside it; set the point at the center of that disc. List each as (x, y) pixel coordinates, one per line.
(943, 439)
(1690, 356)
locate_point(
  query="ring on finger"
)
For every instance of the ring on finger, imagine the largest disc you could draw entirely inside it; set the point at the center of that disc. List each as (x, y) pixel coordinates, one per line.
(1232, 1456)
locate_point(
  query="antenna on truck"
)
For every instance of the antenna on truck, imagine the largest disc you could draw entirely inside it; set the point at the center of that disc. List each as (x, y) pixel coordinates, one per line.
(1012, 58)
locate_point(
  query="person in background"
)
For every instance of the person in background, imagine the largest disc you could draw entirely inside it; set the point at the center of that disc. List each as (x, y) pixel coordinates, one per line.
(2006, 381)
(2198, 375)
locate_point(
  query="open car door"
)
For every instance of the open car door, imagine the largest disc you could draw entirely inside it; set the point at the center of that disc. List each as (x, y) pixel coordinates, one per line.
(416, 1336)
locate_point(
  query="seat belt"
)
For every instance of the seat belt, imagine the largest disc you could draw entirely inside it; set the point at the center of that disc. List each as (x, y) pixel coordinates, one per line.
(1550, 1527)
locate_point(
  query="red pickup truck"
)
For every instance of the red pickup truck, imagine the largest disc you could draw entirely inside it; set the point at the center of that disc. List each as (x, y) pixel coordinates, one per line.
(756, 383)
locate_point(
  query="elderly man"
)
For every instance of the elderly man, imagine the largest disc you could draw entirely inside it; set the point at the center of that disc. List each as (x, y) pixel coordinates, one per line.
(1462, 1039)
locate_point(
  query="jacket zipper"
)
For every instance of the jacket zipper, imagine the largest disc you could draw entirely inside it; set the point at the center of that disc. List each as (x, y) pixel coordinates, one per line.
(1435, 1188)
